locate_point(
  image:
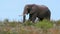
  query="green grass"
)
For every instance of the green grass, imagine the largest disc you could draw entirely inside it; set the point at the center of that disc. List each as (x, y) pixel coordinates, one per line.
(45, 24)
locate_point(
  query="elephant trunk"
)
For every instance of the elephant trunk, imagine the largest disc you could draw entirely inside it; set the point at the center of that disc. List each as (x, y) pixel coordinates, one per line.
(24, 15)
(24, 18)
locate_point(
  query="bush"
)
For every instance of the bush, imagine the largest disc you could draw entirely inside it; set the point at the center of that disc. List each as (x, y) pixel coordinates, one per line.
(58, 22)
(45, 24)
(28, 23)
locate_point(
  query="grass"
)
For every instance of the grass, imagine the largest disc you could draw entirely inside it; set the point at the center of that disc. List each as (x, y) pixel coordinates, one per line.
(42, 27)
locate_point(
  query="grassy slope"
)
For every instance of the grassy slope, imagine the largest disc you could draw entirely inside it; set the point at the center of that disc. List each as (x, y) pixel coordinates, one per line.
(14, 27)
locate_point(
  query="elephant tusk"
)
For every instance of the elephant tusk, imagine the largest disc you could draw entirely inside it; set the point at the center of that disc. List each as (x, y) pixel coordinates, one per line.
(22, 15)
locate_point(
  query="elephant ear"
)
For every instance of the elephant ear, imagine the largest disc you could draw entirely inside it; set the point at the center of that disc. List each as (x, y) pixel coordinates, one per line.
(33, 10)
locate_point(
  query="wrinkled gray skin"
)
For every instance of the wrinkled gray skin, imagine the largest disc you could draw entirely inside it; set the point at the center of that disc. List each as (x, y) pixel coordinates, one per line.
(40, 11)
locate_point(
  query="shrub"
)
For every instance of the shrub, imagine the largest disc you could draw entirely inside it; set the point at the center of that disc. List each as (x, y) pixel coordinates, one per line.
(45, 24)
(28, 23)
(58, 22)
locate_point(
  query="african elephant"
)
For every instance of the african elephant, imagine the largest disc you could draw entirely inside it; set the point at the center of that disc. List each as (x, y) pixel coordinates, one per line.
(40, 11)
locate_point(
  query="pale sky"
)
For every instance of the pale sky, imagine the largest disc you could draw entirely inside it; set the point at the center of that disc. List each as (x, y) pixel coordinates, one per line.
(11, 9)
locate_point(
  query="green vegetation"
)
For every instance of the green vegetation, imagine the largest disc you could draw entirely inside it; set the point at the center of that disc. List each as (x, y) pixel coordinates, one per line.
(16, 27)
(45, 24)
(28, 23)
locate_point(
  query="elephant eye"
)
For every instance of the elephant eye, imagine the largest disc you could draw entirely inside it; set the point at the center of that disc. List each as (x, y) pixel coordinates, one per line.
(28, 10)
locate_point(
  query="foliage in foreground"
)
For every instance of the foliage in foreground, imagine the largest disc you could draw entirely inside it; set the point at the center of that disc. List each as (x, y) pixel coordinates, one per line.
(14, 27)
(45, 24)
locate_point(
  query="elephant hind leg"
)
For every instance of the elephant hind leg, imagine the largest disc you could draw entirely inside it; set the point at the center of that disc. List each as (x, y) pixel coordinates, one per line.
(47, 18)
(40, 19)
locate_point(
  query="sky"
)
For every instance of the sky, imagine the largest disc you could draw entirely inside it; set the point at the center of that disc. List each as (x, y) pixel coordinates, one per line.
(11, 9)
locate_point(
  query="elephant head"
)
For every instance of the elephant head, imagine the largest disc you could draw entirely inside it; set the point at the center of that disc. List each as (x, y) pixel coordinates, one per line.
(27, 10)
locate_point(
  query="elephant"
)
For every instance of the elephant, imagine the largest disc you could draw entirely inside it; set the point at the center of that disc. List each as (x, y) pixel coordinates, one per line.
(34, 10)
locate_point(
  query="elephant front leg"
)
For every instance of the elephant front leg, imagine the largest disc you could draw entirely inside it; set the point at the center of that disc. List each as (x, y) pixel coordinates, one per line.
(32, 17)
